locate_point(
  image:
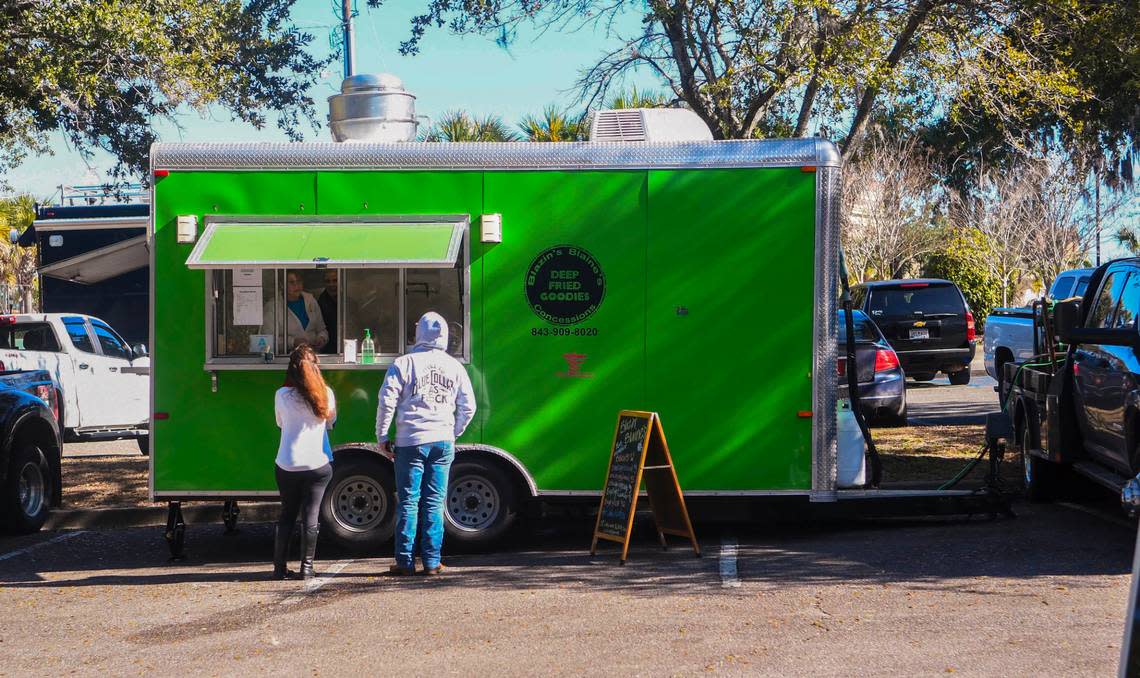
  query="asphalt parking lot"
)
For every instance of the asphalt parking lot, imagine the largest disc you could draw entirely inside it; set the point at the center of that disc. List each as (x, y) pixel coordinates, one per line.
(1040, 594)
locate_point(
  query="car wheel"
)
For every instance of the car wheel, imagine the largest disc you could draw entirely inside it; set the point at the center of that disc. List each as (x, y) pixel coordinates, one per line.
(922, 376)
(358, 510)
(897, 419)
(144, 445)
(481, 506)
(28, 490)
(960, 378)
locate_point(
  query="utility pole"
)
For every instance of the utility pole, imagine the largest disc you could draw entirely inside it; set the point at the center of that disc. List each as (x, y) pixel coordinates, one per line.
(1098, 215)
(349, 47)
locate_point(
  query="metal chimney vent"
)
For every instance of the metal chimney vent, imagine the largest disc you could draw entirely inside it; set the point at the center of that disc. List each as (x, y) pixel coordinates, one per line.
(649, 124)
(373, 108)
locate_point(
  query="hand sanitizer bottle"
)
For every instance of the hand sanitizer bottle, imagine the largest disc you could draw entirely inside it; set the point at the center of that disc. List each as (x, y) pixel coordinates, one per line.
(367, 349)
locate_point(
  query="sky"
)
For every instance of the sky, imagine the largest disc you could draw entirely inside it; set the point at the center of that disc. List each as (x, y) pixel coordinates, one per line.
(451, 72)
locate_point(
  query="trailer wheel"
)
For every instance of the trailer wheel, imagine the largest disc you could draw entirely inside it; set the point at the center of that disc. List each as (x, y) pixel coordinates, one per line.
(481, 506)
(1039, 477)
(358, 510)
(144, 445)
(28, 490)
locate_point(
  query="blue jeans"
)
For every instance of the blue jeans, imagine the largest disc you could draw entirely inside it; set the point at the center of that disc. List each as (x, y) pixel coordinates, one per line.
(421, 485)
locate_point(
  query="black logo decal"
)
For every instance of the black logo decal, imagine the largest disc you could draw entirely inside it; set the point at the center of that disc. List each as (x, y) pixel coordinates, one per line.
(565, 285)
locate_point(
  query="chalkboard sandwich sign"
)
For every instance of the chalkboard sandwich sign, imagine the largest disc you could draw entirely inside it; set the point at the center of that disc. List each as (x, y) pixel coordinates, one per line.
(640, 453)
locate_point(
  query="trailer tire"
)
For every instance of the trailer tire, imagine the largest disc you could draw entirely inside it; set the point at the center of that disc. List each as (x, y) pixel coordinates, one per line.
(358, 511)
(144, 445)
(481, 507)
(960, 378)
(1039, 477)
(27, 491)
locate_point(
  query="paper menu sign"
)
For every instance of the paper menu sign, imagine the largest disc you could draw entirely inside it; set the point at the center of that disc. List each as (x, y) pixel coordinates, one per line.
(247, 306)
(247, 277)
(349, 350)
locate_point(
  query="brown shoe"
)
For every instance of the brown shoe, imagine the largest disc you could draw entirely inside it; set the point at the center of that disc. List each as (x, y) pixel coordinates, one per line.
(431, 572)
(397, 571)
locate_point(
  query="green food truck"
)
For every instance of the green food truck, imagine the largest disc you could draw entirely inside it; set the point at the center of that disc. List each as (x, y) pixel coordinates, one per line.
(693, 279)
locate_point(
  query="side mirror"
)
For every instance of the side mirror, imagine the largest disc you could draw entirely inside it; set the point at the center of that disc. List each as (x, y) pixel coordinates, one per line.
(139, 350)
(1066, 319)
(1125, 336)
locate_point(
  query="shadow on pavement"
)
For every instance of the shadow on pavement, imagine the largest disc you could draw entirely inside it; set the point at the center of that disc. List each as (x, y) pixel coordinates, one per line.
(780, 551)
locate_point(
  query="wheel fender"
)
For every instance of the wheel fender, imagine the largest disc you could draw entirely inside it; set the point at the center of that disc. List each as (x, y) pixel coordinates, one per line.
(475, 450)
(468, 451)
(363, 448)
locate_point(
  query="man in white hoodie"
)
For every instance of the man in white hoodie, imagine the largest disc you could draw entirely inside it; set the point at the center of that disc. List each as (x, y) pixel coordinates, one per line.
(429, 394)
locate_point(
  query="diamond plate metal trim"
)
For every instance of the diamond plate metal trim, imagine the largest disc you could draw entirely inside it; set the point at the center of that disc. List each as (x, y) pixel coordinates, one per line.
(507, 156)
(824, 384)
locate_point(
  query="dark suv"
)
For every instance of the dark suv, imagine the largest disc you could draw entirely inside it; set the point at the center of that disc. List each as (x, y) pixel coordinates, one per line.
(926, 321)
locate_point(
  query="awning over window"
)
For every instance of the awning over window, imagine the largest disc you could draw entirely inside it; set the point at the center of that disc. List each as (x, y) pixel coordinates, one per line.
(332, 245)
(103, 263)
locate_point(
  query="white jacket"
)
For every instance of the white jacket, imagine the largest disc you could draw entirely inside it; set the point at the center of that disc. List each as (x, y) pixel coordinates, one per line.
(316, 334)
(427, 391)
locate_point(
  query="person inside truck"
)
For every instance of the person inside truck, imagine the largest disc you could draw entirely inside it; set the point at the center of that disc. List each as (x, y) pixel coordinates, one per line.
(304, 322)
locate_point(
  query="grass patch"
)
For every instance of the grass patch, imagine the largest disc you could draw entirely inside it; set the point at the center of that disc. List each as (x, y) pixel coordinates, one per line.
(936, 454)
(105, 482)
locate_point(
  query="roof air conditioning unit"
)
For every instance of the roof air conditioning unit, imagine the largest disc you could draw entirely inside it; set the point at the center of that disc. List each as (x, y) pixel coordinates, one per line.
(649, 124)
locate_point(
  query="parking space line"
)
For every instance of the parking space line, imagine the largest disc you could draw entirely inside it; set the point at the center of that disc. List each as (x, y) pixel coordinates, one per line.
(728, 578)
(314, 585)
(33, 547)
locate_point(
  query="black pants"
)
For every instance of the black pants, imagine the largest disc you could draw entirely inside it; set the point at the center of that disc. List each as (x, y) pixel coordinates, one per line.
(302, 491)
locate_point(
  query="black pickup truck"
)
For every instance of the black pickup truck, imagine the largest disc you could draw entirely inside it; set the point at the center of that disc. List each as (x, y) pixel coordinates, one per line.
(30, 449)
(1077, 408)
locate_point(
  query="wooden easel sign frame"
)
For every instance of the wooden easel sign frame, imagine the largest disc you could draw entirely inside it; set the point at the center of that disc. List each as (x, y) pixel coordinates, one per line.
(639, 453)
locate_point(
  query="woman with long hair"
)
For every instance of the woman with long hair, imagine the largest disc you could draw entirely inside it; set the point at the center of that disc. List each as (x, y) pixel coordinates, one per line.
(306, 409)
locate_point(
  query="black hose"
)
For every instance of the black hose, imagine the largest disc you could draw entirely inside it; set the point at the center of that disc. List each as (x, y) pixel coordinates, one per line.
(853, 377)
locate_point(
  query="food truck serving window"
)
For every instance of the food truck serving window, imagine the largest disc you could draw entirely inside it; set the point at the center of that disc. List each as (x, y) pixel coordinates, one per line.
(271, 286)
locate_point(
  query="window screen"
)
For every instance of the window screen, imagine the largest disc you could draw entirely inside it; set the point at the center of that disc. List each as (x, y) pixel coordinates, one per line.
(439, 290)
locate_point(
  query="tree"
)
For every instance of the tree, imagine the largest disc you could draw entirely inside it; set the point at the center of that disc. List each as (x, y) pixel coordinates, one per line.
(17, 264)
(890, 199)
(962, 259)
(1090, 60)
(461, 126)
(555, 125)
(102, 72)
(635, 98)
(754, 67)
(1059, 228)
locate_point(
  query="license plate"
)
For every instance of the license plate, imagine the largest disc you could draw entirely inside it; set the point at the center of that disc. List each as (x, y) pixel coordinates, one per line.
(920, 334)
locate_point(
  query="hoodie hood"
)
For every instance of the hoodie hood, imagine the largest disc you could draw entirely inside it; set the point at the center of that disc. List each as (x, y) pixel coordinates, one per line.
(431, 332)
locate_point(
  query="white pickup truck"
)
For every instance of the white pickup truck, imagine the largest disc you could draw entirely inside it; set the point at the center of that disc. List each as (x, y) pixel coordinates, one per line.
(105, 383)
(1009, 331)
